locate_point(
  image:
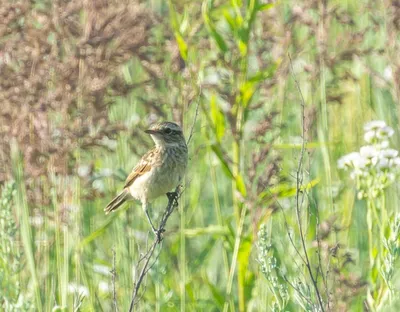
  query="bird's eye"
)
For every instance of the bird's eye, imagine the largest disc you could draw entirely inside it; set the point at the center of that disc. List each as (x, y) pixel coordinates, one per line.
(167, 131)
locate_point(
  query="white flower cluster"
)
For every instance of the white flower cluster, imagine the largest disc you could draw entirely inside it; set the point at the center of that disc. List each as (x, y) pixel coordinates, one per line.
(376, 165)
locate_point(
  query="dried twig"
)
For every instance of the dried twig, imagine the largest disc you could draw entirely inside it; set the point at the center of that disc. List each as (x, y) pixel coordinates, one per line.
(114, 275)
(195, 117)
(300, 194)
(144, 260)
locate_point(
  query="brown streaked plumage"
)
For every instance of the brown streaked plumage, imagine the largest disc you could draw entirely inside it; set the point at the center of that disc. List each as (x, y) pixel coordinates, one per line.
(159, 171)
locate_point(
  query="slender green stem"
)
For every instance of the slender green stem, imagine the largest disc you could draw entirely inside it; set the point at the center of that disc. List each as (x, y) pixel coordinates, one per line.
(158, 297)
(217, 206)
(22, 210)
(234, 258)
(238, 208)
(381, 297)
(384, 214)
(183, 255)
(235, 171)
(375, 211)
(371, 299)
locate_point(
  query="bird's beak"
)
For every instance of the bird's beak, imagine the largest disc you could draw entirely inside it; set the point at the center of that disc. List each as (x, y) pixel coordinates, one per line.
(149, 131)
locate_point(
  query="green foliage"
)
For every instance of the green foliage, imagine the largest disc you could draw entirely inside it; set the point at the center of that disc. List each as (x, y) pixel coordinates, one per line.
(91, 76)
(268, 265)
(13, 296)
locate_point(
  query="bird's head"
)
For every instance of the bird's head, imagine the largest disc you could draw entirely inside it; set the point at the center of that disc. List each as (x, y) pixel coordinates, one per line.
(166, 134)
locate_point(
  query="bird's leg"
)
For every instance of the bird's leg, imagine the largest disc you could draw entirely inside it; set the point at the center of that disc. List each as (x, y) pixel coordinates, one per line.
(156, 232)
(173, 196)
(149, 219)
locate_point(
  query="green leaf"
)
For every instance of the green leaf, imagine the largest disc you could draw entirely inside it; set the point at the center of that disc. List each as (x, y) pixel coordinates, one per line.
(230, 239)
(203, 256)
(98, 232)
(211, 27)
(217, 118)
(190, 292)
(209, 230)
(285, 190)
(236, 3)
(230, 20)
(173, 16)
(225, 167)
(265, 74)
(264, 7)
(249, 87)
(176, 25)
(181, 45)
(242, 44)
(216, 293)
(243, 262)
(246, 92)
(240, 185)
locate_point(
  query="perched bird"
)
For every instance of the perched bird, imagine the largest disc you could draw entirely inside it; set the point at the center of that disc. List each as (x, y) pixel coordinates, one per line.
(159, 171)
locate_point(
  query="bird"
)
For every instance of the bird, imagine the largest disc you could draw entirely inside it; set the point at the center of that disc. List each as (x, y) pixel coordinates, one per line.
(159, 171)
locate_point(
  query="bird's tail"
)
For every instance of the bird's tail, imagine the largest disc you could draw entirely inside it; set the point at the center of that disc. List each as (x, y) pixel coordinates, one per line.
(117, 201)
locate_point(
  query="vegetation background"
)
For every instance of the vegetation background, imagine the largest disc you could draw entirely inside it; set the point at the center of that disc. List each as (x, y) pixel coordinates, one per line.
(81, 80)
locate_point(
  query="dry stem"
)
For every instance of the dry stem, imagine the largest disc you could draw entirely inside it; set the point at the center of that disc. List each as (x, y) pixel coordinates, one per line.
(300, 194)
(145, 259)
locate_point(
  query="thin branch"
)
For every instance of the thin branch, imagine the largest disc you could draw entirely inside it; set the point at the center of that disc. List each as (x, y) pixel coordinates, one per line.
(147, 265)
(288, 230)
(299, 182)
(299, 292)
(172, 204)
(195, 118)
(320, 263)
(114, 275)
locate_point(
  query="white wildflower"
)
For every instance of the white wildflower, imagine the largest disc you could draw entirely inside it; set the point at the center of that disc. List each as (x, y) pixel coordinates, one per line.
(384, 132)
(84, 170)
(351, 160)
(370, 136)
(99, 185)
(361, 195)
(388, 73)
(391, 177)
(369, 154)
(383, 164)
(389, 153)
(78, 289)
(36, 221)
(102, 269)
(374, 125)
(106, 172)
(376, 166)
(104, 287)
(382, 144)
(358, 173)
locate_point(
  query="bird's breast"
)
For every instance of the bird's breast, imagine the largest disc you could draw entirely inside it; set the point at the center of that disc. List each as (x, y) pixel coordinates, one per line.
(165, 175)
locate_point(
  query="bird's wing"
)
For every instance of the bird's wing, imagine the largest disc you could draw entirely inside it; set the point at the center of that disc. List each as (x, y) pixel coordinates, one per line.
(141, 168)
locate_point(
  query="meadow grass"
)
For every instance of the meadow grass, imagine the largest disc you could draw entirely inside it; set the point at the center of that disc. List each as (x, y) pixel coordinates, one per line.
(238, 71)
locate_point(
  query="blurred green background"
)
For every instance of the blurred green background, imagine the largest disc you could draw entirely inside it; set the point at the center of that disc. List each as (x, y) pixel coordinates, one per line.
(79, 83)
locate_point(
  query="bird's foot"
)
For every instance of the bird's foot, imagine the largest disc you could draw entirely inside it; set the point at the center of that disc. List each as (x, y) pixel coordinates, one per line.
(159, 234)
(173, 196)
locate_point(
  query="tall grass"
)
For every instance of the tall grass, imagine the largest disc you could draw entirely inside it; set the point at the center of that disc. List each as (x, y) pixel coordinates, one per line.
(234, 243)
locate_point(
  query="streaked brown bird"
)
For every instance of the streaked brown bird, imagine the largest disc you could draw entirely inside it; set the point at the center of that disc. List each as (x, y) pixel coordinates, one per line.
(159, 171)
